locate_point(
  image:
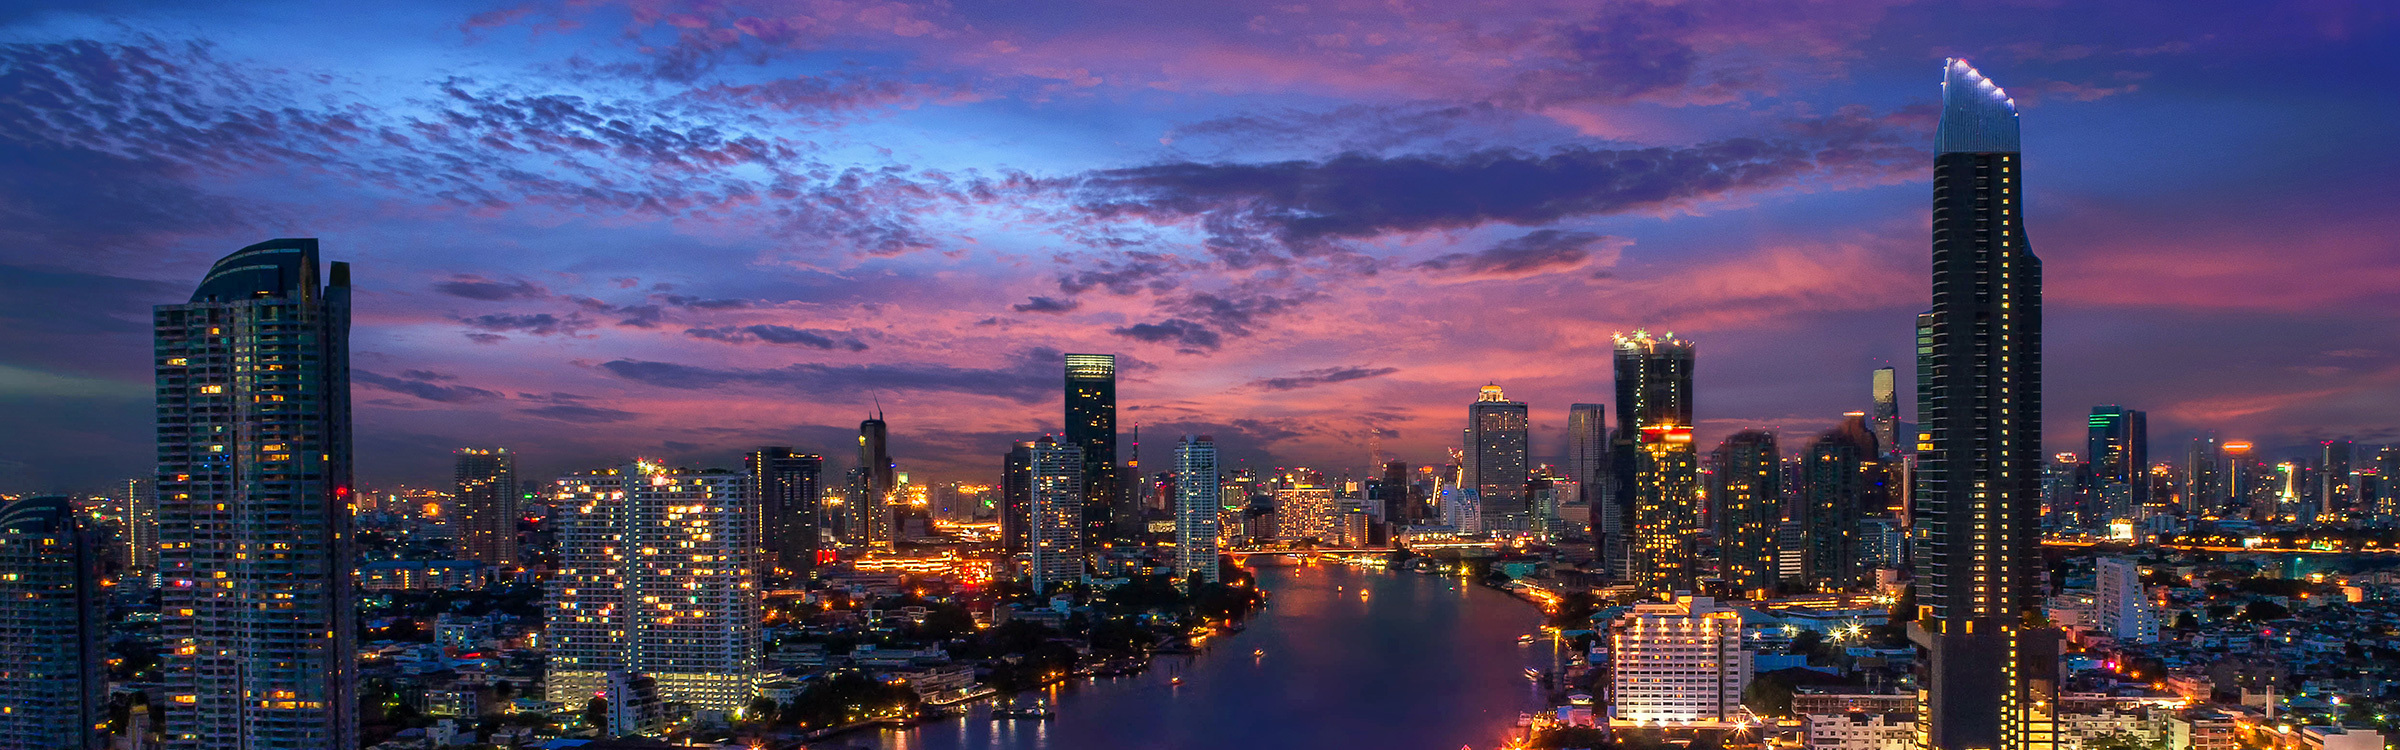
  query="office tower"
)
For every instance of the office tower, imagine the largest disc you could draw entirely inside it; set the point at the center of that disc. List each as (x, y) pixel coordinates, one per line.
(1058, 521)
(2334, 483)
(2203, 476)
(254, 445)
(1990, 676)
(1747, 487)
(1092, 426)
(1196, 507)
(1016, 497)
(141, 527)
(1677, 662)
(1842, 485)
(53, 689)
(1886, 391)
(1666, 523)
(2119, 451)
(658, 572)
(2122, 605)
(487, 506)
(873, 498)
(1654, 389)
(787, 487)
(1496, 460)
(1587, 451)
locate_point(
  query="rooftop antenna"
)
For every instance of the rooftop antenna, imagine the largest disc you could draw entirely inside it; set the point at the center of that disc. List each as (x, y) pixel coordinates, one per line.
(878, 406)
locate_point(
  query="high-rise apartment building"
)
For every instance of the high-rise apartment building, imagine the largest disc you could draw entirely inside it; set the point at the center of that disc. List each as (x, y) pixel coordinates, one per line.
(141, 527)
(1666, 518)
(1016, 497)
(658, 576)
(787, 483)
(254, 505)
(1497, 460)
(2334, 483)
(1990, 677)
(1654, 389)
(1058, 522)
(2121, 604)
(1092, 426)
(1746, 484)
(1841, 486)
(53, 615)
(1679, 662)
(1886, 390)
(487, 506)
(1196, 507)
(2119, 452)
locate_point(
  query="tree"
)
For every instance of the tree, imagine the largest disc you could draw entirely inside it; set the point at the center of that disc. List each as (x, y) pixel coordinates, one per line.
(2264, 611)
(2124, 741)
(595, 713)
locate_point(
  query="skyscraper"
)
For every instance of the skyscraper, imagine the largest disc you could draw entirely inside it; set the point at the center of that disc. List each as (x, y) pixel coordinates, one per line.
(1058, 522)
(2334, 483)
(1496, 460)
(141, 527)
(872, 504)
(787, 487)
(1747, 485)
(1399, 499)
(1990, 676)
(2203, 476)
(1092, 425)
(1842, 485)
(53, 689)
(487, 506)
(1016, 497)
(1587, 462)
(1666, 519)
(1654, 390)
(658, 572)
(1886, 390)
(2119, 451)
(1196, 507)
(253, 378)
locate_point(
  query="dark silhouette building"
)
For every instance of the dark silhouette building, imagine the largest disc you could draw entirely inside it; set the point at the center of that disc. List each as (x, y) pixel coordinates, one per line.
(1990, 673)
(1016, 496)
(2119, 452)
(788, 487)
(1746, 485)
(1842, 486)
(1091, 421)
(1496, 463)
(1654, 400)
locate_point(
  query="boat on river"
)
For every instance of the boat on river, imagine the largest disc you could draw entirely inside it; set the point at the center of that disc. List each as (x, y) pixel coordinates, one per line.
(1035, 711)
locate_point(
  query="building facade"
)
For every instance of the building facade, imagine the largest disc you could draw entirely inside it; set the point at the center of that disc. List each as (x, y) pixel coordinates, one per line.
(2121, 604)
(53, 687)
(487, 506)
(789, 485)
(1091, 421)
(1885, 389)
(1497, 460)
(1746, 487)
(254, 505)
(1677, 663)
(1666, 518)
(1989, 678)
(1057, 525)
(1197, 507)
(1654, 389)
(658, 576)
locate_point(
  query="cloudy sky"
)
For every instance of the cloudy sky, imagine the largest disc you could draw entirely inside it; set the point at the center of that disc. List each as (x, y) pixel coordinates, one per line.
(600, 228)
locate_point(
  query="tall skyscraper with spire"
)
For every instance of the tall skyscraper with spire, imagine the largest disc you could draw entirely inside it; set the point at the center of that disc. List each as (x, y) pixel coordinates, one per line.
(1654, 422)
(1989, 679)
(1495, 463)
(1091, 421)
(254, 504)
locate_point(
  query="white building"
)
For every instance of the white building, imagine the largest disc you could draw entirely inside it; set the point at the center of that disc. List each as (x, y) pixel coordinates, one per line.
(1197, 507)
(2123, 607)
(1678, 663)
(1462, 509)
(1056, 513)
(658, 572)
(1859, 731)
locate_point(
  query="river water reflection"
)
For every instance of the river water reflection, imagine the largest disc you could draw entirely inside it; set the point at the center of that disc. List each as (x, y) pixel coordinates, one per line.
(1355, 658)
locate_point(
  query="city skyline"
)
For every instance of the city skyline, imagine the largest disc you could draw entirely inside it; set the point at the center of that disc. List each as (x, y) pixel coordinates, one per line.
(1007, 207)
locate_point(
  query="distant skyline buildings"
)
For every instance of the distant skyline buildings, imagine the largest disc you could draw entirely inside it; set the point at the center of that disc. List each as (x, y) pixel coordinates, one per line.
(255, 495)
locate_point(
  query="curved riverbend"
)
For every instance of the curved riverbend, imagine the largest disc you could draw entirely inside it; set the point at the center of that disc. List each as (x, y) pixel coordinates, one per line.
(1353, 658)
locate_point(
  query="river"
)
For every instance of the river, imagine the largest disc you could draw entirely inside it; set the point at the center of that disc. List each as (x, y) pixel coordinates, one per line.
(1419, 661)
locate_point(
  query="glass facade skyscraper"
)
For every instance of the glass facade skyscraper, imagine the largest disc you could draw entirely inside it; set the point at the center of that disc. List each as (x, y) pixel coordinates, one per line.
(1654, 402)
(1091, 420)
(2119, 451)
(1989, 679)
(254, 505)
(1495, 464)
